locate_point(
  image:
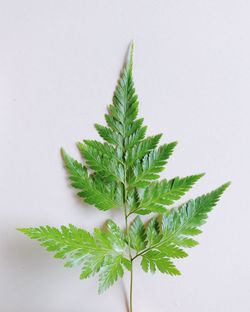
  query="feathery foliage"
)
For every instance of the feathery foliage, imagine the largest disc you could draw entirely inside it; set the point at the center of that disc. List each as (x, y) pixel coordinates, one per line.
(103, 252)
(123, 171)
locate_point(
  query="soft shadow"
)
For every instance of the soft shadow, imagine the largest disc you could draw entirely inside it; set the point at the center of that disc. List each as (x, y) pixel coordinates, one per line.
(28, 265)
(25, 262)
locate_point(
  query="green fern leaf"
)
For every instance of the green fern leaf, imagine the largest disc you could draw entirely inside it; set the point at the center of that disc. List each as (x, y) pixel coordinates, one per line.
(153, 234)
(159, 194)
(108, 135)
(142, 149)
(192, 214)
(102, 253)
(176, 229)
(92, 188)
(124, 109)
(153, 260)
(135, 137)
(103, 159)
(137, 235)
(151, 165)
(110, 271)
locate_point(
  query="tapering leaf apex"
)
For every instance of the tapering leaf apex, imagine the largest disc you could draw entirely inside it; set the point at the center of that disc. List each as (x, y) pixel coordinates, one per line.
(131, 54)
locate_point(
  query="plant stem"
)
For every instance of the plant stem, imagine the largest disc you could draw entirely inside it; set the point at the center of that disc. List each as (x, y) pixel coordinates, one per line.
(126, 215)
(131, 289)
(131, 261)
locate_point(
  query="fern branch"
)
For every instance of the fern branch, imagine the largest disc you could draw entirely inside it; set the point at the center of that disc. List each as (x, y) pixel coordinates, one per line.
(101, 253)
(178, 224)
(92, 188)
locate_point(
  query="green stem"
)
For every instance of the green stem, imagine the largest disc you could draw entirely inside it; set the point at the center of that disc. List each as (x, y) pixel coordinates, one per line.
(131, 260)
(131, 289)
(129, 250)
(126, 215)
(143, 252)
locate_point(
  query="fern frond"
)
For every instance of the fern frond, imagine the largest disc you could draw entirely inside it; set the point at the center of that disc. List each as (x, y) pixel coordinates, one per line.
(93, 188)
(108, 135)
(167, 236)
(122, 172)
(103, 252)
(153, 260)
(137, 235)
(151, 165)
(103, 159)
(159, 194)
(136, 136)
(191, 215)
(142, 149)
(124, 109)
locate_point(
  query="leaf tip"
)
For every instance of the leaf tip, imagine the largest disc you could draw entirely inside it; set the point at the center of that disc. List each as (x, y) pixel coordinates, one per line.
(79, 145)
(131, 47)
(130, 55)
(23, 230)
(63, 153)
(226, 185)
(200, 175)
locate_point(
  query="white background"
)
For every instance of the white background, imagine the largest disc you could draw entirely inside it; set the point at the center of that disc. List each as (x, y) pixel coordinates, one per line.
(59, 63)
